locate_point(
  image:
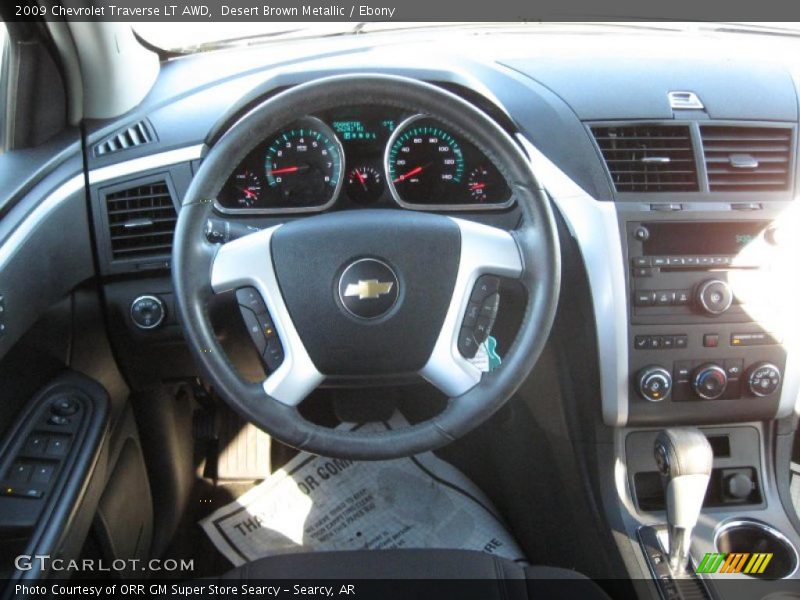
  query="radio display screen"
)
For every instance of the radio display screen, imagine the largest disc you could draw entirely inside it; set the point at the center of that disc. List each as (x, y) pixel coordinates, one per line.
(679, 239)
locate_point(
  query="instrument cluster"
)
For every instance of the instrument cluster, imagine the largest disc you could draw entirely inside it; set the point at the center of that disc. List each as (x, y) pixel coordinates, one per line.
(364, 156)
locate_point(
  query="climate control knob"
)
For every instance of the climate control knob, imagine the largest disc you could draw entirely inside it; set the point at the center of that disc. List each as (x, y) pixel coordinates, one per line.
(709, 381)
(653, 383)
(763, 379)
(714, 296)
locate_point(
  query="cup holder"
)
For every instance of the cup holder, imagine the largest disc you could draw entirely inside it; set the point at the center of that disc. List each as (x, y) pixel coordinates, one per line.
(751, 537)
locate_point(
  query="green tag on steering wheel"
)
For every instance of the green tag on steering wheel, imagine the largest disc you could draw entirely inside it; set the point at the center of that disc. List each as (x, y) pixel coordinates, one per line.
(491, 350)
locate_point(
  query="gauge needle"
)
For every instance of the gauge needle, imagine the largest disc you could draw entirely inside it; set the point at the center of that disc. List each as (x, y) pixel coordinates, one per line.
(361, 179)
(285, 170)
(249, 193)
(411, 173)
(477, 186)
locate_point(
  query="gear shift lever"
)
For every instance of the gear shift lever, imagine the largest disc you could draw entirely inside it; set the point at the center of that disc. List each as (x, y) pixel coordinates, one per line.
(684, 459)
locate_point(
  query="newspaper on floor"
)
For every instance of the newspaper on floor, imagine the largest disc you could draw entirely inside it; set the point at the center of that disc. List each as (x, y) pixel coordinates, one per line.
(316, 504)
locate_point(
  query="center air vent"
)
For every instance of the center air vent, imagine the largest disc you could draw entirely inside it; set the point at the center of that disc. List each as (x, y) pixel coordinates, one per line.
(745, 159)
(648, 158)
(141, 221)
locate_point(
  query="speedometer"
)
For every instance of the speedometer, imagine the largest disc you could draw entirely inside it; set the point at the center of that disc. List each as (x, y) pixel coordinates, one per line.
(424, 163)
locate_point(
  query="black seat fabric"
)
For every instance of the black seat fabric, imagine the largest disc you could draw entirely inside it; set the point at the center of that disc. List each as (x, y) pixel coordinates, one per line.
(502, 578)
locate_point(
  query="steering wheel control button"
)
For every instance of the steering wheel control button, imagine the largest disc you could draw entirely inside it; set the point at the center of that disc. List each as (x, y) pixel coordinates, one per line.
(485, 286)
(250, 298)
(714, 297)
(764, 379)
(251, 321)
(472, 314)
(273, 355)
(709, 381)
(480, 316)
(147, 312)
(490, 306)
(654, 383)
(467, 344)
(368, 288)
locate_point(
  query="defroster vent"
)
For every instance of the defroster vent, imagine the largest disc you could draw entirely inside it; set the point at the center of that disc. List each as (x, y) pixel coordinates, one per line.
(141, 221)
(648, 158)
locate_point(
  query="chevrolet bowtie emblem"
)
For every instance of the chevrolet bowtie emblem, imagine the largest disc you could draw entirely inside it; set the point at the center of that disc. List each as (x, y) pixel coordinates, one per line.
(369, 289)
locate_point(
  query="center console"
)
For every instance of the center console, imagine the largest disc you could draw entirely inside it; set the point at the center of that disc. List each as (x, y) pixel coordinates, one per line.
(699, 349)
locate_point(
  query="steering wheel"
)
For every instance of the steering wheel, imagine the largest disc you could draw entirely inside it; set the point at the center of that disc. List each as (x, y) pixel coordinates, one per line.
(435, 264)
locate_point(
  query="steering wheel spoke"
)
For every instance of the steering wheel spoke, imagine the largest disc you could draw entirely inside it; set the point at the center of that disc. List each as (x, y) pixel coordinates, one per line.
(247, 262)
(486, 254)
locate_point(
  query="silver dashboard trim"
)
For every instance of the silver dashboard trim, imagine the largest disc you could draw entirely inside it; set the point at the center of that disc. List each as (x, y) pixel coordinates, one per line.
(145, 163)
(246, 261)
(484, 249)
(74, 184)
(595, 227)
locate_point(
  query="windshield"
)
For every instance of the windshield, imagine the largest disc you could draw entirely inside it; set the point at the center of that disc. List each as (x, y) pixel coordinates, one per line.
(196, 37)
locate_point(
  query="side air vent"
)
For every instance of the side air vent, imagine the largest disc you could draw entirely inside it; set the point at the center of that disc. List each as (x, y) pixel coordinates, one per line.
(745, 159)
(137, 134)
(141, 221)
(648, 158)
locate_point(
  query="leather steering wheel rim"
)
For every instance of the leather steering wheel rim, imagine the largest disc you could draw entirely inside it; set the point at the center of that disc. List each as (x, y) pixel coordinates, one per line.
(536, 240)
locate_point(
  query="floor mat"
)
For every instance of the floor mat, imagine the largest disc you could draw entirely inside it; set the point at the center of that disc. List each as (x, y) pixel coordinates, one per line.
(315, 504)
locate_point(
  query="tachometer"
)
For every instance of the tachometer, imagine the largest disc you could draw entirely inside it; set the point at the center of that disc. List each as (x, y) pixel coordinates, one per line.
(303, 165)
(424, 163)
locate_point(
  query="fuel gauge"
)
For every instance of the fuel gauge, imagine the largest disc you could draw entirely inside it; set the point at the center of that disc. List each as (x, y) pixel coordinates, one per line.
(364, 184)
(477, 184)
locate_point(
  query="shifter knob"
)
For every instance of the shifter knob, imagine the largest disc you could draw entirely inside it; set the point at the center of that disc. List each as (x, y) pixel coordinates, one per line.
(685, 459)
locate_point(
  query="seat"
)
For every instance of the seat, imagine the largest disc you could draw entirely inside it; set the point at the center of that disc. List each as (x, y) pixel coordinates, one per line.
(502, 578)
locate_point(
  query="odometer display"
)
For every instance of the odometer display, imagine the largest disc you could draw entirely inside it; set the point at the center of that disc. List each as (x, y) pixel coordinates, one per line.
(424, 163)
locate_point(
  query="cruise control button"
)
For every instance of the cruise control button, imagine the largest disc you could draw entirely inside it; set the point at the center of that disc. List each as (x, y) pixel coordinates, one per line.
(250, 298)
(482, 329)
(471, 316)
(467, 344)
(490, 306)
